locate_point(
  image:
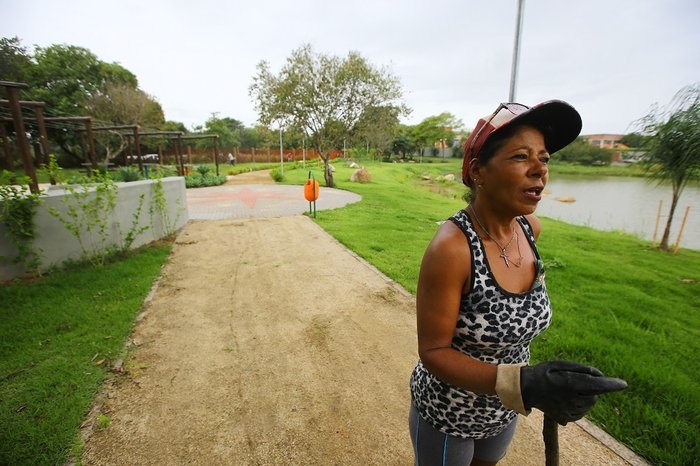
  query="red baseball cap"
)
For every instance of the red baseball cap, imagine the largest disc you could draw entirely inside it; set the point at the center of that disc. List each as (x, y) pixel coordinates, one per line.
(559, 122)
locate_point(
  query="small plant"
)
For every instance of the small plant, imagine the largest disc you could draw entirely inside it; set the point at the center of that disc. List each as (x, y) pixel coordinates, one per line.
(203, 170)
(17, 209)
(159, 204)
(100, 172)
(54, 170)
(87, 216)
(135, 230)
(79, 179)
(103, 421)
(129, 174)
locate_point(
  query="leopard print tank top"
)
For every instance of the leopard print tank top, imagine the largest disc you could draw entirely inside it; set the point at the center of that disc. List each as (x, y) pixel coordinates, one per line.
(494, 326)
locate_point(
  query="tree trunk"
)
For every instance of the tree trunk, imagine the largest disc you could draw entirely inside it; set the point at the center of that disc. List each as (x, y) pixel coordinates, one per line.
(327, 173)
(667, 230)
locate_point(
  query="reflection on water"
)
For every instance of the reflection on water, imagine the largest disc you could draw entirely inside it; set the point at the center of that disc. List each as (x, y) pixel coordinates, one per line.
(628, 204)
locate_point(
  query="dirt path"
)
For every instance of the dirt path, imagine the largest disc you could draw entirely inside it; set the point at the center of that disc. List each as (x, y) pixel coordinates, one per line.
(268, 343)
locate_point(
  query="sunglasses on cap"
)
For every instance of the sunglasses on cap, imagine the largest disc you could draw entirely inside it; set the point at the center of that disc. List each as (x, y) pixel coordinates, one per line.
(503, 114)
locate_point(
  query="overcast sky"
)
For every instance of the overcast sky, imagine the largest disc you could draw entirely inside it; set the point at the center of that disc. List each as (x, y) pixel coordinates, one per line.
(611, 59)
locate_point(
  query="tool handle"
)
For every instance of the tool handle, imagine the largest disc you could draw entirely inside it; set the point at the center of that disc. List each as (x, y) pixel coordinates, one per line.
(550, 433)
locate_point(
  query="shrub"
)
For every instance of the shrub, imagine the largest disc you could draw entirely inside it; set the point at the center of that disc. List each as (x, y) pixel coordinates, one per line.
(203, 169)
(213, 180)
(129, 174)
(276, 175)
(198, 181)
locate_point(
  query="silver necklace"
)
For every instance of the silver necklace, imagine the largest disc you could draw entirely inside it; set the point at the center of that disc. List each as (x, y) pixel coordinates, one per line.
(504, 249)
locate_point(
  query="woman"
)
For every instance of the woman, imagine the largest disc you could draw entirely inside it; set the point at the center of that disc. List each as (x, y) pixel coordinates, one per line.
(481, 299)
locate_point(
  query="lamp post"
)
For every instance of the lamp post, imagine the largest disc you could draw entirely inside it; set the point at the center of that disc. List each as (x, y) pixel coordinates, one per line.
(516, 51)
(281, 155)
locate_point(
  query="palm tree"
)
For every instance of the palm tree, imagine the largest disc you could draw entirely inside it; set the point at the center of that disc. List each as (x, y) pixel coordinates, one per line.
(674, 145)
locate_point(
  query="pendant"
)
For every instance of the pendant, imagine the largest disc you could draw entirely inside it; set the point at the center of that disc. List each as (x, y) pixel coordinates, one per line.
(504, 255)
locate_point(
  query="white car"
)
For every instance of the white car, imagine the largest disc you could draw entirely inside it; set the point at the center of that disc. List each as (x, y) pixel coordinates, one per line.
(144, 158)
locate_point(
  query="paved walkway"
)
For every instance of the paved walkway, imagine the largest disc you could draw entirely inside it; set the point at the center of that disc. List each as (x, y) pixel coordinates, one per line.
(259, 200)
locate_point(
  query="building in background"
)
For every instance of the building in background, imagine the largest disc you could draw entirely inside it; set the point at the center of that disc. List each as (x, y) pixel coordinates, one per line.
(605, 141)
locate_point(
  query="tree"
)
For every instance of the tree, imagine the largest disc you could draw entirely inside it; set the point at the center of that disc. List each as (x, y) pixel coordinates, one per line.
(633, 140)
(377, 127)
(404, 143)
(15, 61)
(120, 103)
(323, 95)
(250, 138)
(228, 130)
(66, 78)
(170, 125)
(584, 153)
(674, 145)
(438, 129)
(124, 104)
(266, 137)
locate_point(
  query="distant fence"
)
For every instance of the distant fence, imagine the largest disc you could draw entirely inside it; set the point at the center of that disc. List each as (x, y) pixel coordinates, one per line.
(244, 155)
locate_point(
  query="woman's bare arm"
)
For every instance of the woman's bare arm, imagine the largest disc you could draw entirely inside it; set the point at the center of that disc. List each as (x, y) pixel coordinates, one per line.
(445, 270)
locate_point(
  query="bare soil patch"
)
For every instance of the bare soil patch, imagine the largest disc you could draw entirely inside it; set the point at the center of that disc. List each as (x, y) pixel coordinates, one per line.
(268, 343)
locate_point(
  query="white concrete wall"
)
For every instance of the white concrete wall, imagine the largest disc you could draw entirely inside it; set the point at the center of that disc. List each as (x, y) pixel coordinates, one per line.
(56, 244)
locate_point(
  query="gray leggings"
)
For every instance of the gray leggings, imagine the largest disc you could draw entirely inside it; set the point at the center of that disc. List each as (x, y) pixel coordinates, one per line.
(432, 447)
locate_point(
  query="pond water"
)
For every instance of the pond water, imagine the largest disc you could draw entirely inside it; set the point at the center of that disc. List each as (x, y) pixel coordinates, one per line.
(627, 204)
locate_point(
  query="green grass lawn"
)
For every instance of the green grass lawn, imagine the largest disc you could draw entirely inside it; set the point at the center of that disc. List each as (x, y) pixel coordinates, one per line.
(58, 337)
(620, 305)
(564, 168)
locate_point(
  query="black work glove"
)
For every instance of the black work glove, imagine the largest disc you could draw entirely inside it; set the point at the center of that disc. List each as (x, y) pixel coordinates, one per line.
(565, 391)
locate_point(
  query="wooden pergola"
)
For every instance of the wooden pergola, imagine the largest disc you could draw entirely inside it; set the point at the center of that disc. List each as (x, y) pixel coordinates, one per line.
(15, 105)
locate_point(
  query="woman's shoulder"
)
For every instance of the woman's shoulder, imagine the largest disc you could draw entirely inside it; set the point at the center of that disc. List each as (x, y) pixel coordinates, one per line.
(450, 235)
(448, 243)
(447, 259)
(535, 225)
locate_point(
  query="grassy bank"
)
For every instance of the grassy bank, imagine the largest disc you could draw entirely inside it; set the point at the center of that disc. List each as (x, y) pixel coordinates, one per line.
(619, 304)
(58, 338)
(563, 168)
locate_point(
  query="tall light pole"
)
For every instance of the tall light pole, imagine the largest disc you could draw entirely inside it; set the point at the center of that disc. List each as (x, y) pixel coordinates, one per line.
(516, 51)
(281, 156)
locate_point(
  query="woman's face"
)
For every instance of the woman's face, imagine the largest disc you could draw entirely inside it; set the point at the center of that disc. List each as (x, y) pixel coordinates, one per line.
(514, 178)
